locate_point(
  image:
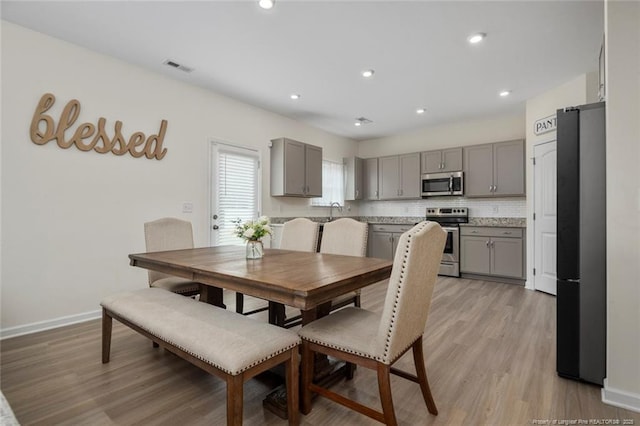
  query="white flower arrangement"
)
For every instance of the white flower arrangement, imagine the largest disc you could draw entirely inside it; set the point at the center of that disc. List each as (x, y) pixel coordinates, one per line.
(253, 230)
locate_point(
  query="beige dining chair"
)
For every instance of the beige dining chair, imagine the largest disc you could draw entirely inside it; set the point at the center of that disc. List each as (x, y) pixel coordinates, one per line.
(300, 234)
(170, 234)
(348, 237)
(377, 341)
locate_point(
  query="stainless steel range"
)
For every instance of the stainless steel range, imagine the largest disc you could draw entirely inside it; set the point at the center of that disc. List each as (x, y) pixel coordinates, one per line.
(450, 218)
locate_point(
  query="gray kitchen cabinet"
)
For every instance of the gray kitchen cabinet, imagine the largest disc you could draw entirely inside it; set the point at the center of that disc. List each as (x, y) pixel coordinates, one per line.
(445, 160)
(492, 251)
(383, 240)
(354, 179)
(399, 177)
(371, 179)
(494, 170)
(296, 169)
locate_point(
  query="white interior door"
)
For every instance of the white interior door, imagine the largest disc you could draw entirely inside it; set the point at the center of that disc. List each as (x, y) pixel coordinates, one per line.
(544, 189)
(235, 190)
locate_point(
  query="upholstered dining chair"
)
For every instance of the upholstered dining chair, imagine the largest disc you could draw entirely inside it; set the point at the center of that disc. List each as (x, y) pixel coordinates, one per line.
(300, 234)
(170, 234)
(377, 341)
(348, 237)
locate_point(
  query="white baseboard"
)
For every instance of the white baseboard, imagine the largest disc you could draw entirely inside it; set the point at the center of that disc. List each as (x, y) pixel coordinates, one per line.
(620, 398)
(35, 327)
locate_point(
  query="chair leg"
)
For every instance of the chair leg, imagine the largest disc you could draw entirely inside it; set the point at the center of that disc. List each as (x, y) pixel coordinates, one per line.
(235, 386)
(421, 372)
(307, 377)
(292, 377)
(107, 325)
(239, 303)
(384, 386)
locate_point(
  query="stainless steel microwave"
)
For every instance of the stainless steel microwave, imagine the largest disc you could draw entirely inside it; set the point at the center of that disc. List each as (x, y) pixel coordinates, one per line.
(438, 184)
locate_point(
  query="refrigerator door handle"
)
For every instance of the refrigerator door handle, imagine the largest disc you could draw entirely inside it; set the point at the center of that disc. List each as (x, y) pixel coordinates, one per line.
(571, 280)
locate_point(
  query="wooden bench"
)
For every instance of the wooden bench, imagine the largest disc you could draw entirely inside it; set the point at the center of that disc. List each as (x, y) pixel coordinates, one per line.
(222, 343)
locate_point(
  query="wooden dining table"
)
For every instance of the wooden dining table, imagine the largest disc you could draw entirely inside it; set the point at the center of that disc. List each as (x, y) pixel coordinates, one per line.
(299, 279)
(303, 280)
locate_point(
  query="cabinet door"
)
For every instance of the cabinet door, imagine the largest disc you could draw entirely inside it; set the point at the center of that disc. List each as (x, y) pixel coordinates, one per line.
(410, 176)
(313, 176)
(475, 255)
(353, 169)
(452, 160)
(388, 178)
(294, 168)
(431, 162)
(381, 245)
(478, 170)
(506, 257)
(508, 168)
(371, 179)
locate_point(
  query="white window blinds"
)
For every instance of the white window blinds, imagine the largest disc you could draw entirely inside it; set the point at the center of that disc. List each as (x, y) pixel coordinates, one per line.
(237, 192)
(332, 184)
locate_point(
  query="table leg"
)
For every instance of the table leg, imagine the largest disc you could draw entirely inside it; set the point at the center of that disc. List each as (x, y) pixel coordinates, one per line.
(326, 371)
(211, 295)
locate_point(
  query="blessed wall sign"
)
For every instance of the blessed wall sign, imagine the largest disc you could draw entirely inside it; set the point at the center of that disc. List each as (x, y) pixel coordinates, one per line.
(89, 136)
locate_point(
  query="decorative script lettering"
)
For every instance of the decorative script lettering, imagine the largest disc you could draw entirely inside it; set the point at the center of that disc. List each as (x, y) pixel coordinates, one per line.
(88, 136)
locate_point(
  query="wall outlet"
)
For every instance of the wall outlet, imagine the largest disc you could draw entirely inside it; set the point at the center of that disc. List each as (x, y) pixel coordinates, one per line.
(187, 207)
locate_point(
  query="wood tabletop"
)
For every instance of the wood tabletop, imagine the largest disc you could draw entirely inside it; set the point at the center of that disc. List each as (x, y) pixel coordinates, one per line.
(299, 279)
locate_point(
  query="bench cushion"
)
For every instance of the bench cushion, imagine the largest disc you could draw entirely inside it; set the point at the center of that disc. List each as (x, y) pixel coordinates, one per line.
(230, 342)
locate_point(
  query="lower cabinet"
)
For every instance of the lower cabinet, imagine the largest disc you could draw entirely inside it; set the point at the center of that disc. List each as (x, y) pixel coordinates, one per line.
(383, 240)
(492, 251)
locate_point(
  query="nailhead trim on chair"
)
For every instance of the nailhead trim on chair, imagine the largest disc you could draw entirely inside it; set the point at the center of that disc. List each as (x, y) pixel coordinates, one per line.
(385, 357)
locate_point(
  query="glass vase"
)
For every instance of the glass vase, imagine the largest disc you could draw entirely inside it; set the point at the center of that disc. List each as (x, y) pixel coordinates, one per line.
(254, 249)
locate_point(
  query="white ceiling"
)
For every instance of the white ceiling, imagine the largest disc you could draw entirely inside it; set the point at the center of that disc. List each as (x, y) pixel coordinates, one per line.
(319, 48)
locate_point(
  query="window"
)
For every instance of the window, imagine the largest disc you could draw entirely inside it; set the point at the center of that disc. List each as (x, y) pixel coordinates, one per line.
(332, 184)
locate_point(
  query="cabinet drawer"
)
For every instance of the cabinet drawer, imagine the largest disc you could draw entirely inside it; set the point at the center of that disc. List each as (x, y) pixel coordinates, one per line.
(481, 231)
(390, 228)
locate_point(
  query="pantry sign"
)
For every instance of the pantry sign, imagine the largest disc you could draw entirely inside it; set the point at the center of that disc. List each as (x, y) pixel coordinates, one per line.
(89, 136)
(545, 125)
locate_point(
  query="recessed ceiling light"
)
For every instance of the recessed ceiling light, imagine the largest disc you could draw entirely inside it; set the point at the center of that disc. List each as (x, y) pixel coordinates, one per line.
(266, 4)
(361, 121)
(420, 111)
(368, 73)
(295, 96)
(505, 93)
(476, 38)
(357, 123)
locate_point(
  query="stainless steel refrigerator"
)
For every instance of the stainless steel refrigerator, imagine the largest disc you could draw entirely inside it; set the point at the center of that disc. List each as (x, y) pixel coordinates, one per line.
(581, 243)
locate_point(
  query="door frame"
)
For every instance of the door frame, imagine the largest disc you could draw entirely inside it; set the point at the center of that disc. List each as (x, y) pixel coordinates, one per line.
(533, 210)
(213, 143)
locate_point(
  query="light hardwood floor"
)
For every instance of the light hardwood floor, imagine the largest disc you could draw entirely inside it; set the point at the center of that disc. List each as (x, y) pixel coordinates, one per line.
(489, 349)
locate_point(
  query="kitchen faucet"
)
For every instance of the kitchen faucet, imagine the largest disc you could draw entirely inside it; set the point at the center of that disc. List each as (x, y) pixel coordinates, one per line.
(337, 205)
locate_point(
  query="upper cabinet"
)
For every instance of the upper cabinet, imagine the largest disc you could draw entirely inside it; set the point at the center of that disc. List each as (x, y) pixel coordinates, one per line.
(371, 179)
(494, 170)
(296, 169)
(446, 160)
(353, 168)
(399, 177)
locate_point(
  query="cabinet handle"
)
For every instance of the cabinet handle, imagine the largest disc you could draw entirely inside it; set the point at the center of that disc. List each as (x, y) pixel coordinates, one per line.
(507, 232)
(490, 188)
(376, 192)
(357, 193)
(487, 243)
(474, 232)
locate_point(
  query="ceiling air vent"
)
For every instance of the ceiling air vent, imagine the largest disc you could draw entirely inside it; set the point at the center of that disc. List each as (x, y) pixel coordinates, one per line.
(174, 64)
(361, 121)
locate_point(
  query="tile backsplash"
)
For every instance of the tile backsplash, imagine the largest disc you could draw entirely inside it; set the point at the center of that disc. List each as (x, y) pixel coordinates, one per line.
(478, 207)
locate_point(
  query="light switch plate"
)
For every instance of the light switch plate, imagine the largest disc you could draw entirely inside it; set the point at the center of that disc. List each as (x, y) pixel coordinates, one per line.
(187, 207)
